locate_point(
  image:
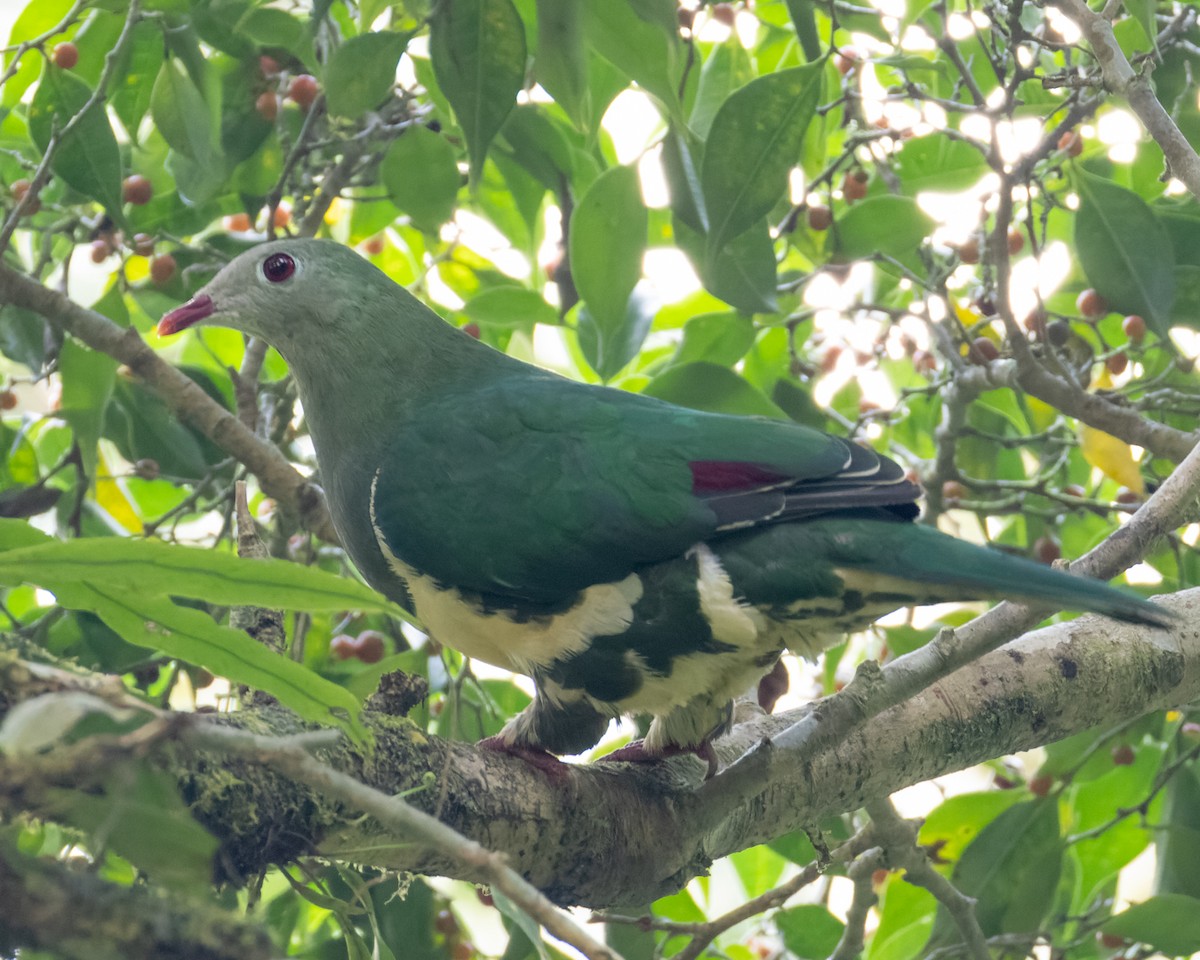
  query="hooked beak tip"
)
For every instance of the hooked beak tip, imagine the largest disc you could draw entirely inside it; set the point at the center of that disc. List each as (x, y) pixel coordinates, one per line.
(186, 315)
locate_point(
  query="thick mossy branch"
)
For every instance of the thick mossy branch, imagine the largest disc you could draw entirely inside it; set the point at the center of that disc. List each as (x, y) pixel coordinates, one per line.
(606, 834)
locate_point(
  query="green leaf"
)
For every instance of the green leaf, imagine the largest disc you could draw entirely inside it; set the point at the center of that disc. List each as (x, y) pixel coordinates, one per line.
(743, 274)
(182, 116)
(936, 162)
(706, 386)
(1125, 251)
(142, 817)
(136, 71)
(755, 140)
(809, 931)
(608, 347)
(1169, 923)
(193, 636)
(607, 241)
(1178, 836)
(954, 823)
(478, 53)
(151, 567)
(420, 171)
(87, 384)
(277, 29)
(643, 51)
(88, 157)
(720, 338)
(683, 179)
(801, 12)
(362, 72)
(510, 308)
(727, 69)
(38, 17)
(561, 62)
(1012, 868)
(886, 224)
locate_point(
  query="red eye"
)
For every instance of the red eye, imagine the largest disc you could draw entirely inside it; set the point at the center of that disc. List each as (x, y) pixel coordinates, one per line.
(278, 267)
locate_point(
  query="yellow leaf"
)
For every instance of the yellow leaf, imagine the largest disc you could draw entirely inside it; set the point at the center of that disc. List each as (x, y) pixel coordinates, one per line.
(112, 499)
(1112, 457)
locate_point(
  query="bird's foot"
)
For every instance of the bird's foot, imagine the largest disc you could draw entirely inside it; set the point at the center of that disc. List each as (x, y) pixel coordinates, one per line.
(635, 752)
(543, 760)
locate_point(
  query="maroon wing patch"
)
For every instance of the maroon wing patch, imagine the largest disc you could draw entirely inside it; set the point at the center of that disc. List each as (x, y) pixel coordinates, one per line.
(719, 476)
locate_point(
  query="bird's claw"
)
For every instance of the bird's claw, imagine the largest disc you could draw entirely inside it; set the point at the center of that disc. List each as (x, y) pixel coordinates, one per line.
(635, 752)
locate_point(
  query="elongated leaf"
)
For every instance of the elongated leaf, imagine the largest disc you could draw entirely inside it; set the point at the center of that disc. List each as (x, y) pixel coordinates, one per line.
(805, 22)
(1012, 868)
(361, 72)
(1125, 251)
(810, 930)
(192, 635)
(641, 49)
(478, 53)
(420, 171)
(743, 274)
(88, 158)
(886, 224)
(153, 568)
(1169, 922)
(561, 62)
(607, 241)
(608, 347)
(755, 140)
(727, 68)
(87, 379)
(181, 115)
(706, 386)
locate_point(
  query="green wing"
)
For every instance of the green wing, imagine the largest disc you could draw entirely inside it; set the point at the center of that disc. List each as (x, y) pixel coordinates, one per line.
(535, 487)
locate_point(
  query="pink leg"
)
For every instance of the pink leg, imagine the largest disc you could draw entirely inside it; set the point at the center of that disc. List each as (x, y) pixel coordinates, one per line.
(635, 752)
(543, 760)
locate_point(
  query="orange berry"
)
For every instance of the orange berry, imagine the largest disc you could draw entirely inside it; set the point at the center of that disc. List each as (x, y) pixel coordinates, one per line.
(8, 400)
(100, 251)
(143, 244)
(238, 223)
(968, 250)
(1047, 550)
(267, 105)
(374, 245)
(724, 13)
(137, 190)
(953, 490)
(1041, 785)
(1091, 305)
(1127, 496)
(303, 90)
(1071, 142)
(819, 217)
(1117, 364)
(21, 187)
(162, 269)
(1016, 241)
(65, 55)
(846, 59)
(983, 351)
(283, 216)
(854, 187)
(1134, 327)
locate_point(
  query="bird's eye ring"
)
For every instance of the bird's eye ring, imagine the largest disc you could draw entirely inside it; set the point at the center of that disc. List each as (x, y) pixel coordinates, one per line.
(278, 267)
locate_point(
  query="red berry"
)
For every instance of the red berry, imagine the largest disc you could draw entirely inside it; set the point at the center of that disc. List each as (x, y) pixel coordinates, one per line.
(924, 361)
(484, 897)
(854, 187)
(65, 55)
(374, 245)
(471, 330)
(724, 13)
(8, 400)
(686, 17)
(1123, 755)
(953, 490)
(968, 251)
(143, 244)
(1117, 363)
(267, 105)
(370, 646)
(1016, 241)
(846, 60)
(879, 877)
(1125, 495)
(162, 269)
(1071, 142)
(983, 351)
(343, 646)
(100, 251)
(238, 223)
(1001, 782)
(303, 90)
(1091, 305)
(444, 923)
(831, 357)
(1074, 490)
(268, 65)
(137, 190)
(819, 217)
(1047, 550)
(462, 951)
(1110, 941)
(1040, 785)
(147, 469)
(21, 187)
(1134, 327)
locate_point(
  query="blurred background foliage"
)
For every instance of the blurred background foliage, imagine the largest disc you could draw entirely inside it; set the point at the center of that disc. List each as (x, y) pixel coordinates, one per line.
(868, 217)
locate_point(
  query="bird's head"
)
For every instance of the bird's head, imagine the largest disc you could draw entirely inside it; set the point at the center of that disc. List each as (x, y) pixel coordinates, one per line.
(280, 291)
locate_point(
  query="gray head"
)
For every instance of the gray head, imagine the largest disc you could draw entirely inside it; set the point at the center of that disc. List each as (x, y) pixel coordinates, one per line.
(295, 293)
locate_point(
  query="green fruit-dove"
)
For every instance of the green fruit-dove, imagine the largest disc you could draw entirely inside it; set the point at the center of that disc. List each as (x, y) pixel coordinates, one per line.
(631, 556)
